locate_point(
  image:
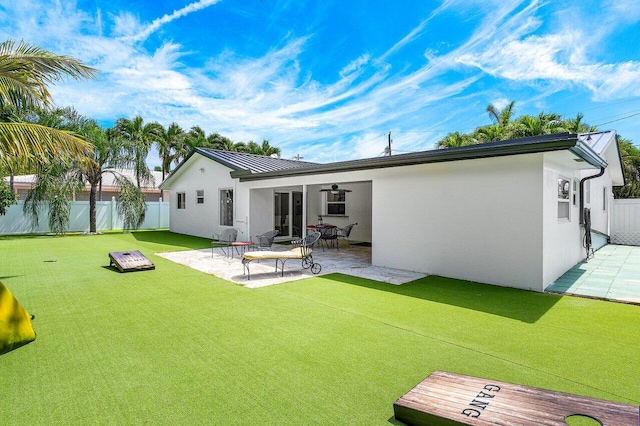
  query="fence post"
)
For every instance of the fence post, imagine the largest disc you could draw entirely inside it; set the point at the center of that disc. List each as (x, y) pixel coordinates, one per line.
(114, 212)
(159, 212)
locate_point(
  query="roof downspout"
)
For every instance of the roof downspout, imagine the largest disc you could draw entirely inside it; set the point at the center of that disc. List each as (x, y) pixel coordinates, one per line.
(582, 181)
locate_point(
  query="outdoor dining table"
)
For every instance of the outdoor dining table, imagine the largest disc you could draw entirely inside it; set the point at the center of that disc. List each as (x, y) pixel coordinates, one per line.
(324, 227)
(320, 227)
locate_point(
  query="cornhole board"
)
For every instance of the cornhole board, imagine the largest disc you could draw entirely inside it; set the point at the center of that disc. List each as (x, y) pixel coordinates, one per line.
(129, 261)
(453, 399)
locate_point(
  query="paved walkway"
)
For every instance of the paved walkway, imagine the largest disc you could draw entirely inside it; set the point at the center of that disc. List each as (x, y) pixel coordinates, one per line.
(613, 273)
(354, 260)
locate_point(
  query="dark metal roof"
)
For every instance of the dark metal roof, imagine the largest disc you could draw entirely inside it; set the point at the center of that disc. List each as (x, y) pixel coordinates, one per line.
(251, 162)
(543, 143)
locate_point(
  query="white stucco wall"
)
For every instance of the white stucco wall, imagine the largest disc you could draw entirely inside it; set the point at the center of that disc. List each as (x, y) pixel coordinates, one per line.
(562, 237)
(476, 220)
(262, 207)
(201, 220)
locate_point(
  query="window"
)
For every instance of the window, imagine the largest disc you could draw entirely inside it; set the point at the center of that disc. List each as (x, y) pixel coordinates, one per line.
(336, 203)
(604, 199)
(181, 200)
(575, 190)
(226, 207)
(564, 190)
(200, 196)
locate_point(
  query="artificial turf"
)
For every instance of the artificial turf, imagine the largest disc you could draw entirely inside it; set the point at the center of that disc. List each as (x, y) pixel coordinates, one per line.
(176, 346)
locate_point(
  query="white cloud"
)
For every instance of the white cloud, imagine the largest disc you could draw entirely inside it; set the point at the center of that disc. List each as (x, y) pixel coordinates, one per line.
(138, 34)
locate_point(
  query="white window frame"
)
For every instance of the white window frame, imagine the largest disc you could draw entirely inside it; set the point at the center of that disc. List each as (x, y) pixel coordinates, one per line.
(199, 196)
(564, 198)
(330, 202)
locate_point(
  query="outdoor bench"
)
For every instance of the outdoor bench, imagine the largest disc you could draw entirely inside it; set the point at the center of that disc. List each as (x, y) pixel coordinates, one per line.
(302, 250)
(450, 399)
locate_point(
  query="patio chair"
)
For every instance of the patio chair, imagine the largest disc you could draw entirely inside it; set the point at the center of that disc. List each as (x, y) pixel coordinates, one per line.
(224, 240)
(343, 233)
(329, 234)
(265, 240)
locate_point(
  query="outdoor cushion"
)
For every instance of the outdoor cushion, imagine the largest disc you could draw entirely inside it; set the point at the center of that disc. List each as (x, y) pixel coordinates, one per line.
(294, 253)
(15, 323)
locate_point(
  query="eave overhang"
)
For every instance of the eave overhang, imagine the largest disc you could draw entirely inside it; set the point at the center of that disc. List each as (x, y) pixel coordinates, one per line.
(537, 144)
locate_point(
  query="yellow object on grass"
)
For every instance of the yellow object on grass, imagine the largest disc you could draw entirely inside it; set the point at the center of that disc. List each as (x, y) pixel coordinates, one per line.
(15, 323)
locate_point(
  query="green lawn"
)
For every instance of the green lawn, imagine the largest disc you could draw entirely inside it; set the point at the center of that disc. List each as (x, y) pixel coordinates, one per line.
(176, 346)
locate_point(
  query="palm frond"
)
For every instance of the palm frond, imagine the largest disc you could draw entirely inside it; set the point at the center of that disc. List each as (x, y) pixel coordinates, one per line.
(41, 144)
(26, 70)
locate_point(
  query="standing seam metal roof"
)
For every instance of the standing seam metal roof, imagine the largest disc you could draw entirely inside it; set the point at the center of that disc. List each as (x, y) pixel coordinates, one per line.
(252, 162)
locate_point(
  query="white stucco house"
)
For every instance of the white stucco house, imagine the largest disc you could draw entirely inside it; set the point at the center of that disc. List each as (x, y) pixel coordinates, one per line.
(505, 213)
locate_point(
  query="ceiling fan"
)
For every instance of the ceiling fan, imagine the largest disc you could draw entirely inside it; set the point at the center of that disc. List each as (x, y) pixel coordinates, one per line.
(335, 190)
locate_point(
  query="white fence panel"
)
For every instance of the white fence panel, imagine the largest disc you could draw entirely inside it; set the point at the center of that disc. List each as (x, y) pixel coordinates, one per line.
(625, 222)
(107, 219)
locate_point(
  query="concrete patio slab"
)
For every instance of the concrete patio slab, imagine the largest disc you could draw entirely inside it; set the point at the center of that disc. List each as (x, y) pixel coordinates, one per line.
(354, 260)
(613, 273)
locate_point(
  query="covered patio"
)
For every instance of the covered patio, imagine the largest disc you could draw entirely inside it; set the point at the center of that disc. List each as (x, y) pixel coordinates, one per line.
(291, 209)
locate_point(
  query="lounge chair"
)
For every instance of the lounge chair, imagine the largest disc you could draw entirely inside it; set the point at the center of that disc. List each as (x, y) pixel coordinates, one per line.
(302, 250)
(224, 239)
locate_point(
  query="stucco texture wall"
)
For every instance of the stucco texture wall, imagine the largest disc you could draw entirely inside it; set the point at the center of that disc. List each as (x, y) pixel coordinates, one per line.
(201, 220)
(478, 220)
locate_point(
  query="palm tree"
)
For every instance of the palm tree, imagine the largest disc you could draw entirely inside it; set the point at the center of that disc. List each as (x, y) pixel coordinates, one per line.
(490, 133)
(269, 150)
(630, 155)
(57, 184)
(25, 73)
(140, 137)
(455, 139)
(501, 118)
(168, 146)
(217, 141)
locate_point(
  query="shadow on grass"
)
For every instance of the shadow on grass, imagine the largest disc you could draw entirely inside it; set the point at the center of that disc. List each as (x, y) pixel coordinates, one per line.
(521, 305)
(172, 239)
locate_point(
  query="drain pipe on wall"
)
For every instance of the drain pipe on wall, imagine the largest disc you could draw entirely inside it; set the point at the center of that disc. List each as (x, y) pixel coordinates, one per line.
(585, 216)
(582, 181)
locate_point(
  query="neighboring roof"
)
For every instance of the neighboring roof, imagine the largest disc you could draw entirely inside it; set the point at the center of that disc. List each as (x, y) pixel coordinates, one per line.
(108, 180)
(543, 143)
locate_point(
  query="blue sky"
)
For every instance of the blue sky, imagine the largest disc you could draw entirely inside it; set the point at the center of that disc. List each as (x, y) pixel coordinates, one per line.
(329, 79)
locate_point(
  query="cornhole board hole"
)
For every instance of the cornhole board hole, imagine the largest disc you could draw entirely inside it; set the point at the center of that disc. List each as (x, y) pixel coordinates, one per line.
(129, 261)
(452, 399)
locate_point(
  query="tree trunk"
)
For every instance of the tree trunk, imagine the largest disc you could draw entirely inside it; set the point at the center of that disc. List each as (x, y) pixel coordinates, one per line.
(92, 208)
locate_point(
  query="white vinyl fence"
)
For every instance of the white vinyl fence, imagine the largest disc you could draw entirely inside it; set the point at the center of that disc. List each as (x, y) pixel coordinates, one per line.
(625, 222)
(107, 219)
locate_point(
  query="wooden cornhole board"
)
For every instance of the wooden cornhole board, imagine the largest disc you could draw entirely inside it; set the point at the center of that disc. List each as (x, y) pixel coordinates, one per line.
(129, 261)
(453, 399)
